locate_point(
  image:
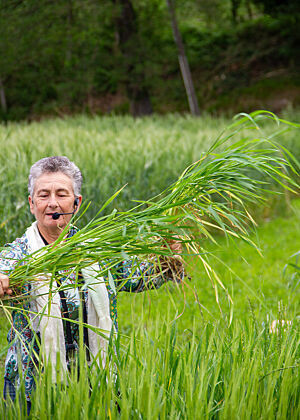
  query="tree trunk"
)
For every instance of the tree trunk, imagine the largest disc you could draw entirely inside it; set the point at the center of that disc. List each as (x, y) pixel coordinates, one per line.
(249, 9)
(135, 82)
(70, 22)
(235, 4)
(183, 62)
(3, 98)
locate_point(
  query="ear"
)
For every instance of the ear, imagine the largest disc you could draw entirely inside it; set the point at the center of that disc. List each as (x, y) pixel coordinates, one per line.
(78, 200)
(31, 204)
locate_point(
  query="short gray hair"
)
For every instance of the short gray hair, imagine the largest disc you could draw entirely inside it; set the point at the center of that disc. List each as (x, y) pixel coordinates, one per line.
(55, 164)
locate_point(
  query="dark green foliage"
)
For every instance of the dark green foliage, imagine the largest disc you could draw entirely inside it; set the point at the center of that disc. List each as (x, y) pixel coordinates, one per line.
(281, 7)
(71, 56)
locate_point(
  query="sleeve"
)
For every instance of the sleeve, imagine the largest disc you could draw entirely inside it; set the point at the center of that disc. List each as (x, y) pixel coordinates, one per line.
(135, 276)
(10, 255)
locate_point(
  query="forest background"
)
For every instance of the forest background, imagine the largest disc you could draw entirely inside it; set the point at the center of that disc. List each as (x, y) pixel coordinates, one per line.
(119, 56)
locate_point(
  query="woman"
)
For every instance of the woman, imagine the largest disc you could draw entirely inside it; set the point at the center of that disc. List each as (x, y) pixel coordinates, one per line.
(54, 196)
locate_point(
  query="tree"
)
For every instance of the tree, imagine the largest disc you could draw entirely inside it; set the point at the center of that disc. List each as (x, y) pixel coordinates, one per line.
(183, 62)
(54, 55)
(234, 9)
(130, 47)
(3, 98)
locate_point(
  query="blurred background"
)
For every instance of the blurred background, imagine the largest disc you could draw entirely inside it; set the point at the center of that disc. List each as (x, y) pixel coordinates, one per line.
(147, 56)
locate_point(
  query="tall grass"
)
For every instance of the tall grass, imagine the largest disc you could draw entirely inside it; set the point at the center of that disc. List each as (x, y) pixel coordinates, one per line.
(146, 154)
(243, 353)
(111, 152)
(212, 372)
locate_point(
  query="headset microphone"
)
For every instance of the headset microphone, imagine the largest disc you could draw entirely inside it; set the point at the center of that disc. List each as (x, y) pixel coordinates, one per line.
(56, 216)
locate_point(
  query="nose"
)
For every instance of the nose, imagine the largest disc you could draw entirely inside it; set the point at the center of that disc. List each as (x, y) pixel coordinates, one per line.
(52, 202)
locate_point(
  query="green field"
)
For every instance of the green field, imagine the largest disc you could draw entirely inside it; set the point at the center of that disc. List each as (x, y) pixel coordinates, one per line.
(197, 366)
(178, 356)
(145, 154)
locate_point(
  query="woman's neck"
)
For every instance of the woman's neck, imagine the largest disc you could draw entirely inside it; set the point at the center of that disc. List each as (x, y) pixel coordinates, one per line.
(49, 235)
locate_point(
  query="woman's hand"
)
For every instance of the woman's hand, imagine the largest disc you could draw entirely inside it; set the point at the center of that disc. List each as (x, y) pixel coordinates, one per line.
(4, 285)
(171, 266)
(176, 247)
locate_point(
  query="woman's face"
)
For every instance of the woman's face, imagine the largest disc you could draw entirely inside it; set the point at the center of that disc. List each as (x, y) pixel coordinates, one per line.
(53, 192)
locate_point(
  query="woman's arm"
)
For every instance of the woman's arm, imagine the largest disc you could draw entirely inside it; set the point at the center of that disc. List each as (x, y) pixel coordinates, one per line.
(134, 276)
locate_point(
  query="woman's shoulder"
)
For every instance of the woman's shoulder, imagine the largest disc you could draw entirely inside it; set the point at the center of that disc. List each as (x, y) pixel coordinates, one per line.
(14, 250)
(19, 243)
